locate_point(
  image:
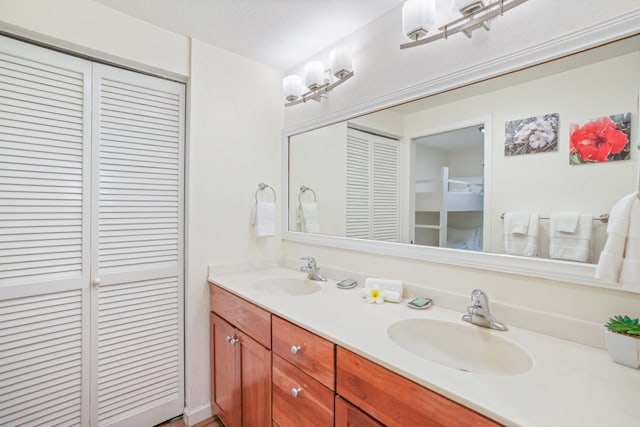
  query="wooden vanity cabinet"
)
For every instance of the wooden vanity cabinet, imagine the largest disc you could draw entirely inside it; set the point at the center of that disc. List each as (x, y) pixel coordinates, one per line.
(348, 415)
(396, 401)
(240, 362)
(303, 377)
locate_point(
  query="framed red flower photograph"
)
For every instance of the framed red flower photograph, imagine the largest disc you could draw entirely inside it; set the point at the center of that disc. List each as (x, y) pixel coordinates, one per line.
(604, 139)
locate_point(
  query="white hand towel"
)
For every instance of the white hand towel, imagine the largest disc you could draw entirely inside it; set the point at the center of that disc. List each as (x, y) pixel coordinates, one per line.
(393, 289)
(613, 254)
(310, 217)
(263, 217)
(571, 245)
(516, 222)
(518, 243)
(567, 222)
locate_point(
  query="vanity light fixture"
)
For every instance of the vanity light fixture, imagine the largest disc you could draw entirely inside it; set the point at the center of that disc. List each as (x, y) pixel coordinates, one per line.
(316, 80)
(418, 17)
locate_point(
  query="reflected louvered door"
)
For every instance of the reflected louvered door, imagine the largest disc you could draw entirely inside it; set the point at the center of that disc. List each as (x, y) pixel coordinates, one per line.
(386, 190)
(138, 252)
(373, 187)
(358, 210)
(44, 236)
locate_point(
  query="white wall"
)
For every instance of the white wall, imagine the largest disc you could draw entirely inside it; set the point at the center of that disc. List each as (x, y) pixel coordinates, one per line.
(235, 118)
(384, 73)
(234, 144)
(89, 27)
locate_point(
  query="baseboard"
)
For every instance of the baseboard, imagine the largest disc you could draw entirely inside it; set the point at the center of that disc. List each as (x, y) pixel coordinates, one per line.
(195, 415)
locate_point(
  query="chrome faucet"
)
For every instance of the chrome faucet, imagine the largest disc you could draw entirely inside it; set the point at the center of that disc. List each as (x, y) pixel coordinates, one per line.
(312, 269)
(479, 313)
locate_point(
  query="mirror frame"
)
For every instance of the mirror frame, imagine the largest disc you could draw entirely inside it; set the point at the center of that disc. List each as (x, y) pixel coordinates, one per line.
(612, 30)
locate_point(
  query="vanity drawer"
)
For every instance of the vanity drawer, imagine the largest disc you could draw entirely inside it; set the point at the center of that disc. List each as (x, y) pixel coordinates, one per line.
(312, 404)
(395, 400)
(249, 318)
(314, 355)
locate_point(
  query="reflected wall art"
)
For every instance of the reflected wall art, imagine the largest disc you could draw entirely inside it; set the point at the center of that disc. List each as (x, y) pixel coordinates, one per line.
(605, 139)
(531, 135)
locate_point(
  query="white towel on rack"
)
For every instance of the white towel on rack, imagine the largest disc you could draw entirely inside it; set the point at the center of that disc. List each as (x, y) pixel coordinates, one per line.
(570, 236)
(620, 259)
(521, 233)
(566, 222)
(393, 288)
(310, 217)
(263, 217)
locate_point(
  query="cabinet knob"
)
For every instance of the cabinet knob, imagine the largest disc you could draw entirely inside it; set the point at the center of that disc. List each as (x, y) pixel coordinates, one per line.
(96, 281)
(295, 349)
(295, 392)
(232, 340)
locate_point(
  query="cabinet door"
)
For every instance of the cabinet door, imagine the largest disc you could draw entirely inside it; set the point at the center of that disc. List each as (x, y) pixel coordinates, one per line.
(348, 415)
(256, 382)
(225, 373)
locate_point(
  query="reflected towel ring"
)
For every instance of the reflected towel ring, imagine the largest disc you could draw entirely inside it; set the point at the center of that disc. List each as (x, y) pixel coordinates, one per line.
(262, 186)
(304, 188)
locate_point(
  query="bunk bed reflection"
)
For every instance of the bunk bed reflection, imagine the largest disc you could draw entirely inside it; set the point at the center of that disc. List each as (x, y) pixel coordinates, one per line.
(436, 199)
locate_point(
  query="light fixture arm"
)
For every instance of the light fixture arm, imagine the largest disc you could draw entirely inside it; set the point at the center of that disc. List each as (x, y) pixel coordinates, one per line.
(466, 24)
(318, 94)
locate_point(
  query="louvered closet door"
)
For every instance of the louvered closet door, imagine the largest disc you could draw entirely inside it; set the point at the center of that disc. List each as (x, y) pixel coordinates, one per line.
(137, 257)
(44, 236)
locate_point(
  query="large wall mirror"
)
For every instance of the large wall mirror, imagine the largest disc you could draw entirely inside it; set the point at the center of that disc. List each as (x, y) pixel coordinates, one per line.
(459, 171)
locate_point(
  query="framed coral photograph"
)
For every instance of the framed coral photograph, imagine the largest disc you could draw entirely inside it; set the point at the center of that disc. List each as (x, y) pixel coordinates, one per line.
(605, 139)
(531, 135)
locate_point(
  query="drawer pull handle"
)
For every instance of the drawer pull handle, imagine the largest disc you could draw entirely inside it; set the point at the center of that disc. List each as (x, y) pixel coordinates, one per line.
(232, 340)
(295, 349)
(295, 392)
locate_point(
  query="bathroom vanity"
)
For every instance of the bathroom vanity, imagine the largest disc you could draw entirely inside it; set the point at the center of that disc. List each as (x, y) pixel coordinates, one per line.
(289, 352)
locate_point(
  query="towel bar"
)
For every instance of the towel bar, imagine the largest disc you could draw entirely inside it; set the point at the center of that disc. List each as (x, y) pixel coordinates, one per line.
(262, 186)
(604, 218)
(304, 188)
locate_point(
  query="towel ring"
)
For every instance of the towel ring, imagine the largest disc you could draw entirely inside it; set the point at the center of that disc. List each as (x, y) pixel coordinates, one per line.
(304, 188)
(262, 186)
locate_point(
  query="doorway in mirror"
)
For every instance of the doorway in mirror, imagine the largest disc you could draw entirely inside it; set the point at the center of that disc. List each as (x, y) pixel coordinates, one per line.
(448, 192)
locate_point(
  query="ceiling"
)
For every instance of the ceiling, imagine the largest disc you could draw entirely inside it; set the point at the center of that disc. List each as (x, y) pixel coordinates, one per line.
(279, 33)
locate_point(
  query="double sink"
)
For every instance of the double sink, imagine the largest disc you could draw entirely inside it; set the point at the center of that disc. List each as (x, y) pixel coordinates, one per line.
(459, 346)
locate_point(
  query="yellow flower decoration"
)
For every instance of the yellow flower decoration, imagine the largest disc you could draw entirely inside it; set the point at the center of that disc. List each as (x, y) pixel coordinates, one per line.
(374, 294)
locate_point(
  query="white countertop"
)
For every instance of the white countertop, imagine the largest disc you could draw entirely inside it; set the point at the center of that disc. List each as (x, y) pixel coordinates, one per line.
(569, 384)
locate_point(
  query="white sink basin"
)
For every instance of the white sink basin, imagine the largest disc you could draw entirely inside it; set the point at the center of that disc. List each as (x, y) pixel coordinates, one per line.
(287, 285)
(466, 348)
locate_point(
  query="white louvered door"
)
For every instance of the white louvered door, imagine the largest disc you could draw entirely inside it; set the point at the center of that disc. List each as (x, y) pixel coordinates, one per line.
(91, 242)
(373, 187)
(44, 236)
(137, 255)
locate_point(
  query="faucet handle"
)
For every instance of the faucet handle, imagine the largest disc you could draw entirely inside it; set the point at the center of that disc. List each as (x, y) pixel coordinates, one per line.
(311, 262)
(479, 299)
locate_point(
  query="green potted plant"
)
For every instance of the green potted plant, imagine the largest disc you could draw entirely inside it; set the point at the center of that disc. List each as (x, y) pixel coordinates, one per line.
(622, 336)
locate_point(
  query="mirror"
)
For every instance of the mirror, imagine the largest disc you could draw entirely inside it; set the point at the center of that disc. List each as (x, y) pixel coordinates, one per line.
(368, 177)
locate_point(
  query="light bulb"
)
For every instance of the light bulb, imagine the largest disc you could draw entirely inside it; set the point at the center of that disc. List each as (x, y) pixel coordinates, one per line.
(292, 87)
(314, 75)
(340, 62)
(418, 16)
